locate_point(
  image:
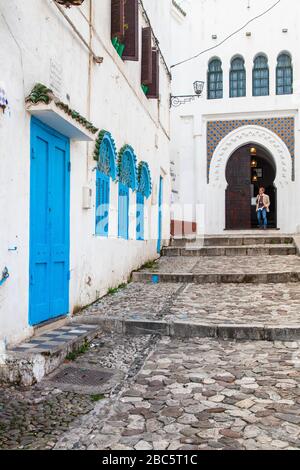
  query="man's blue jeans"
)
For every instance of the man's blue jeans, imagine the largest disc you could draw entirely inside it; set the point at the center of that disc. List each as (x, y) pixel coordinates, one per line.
(262, 217)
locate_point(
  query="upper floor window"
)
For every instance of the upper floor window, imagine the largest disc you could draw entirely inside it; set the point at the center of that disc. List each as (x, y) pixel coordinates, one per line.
(237, 78)
(215, 80)
(284, 75)
(261, 76)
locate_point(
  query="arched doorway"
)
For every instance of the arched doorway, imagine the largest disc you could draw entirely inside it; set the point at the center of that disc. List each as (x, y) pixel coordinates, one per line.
(249, 168)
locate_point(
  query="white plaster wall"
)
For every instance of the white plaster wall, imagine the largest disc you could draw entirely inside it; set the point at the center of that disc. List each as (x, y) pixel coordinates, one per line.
(31, 34)
(206, 18)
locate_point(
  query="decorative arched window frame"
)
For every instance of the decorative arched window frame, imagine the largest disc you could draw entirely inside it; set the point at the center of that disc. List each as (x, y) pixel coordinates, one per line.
(143, 192)
(260, 76)
(127, 175)
(284, 74)
(215, 79)
(237, 77)
(106, 155)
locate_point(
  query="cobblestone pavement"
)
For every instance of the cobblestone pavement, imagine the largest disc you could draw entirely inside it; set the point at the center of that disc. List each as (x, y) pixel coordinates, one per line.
(136, 299)
(226, 265)
(271, 304)
(171, 393)
(34, 418)
(201, 394)
(265, 304)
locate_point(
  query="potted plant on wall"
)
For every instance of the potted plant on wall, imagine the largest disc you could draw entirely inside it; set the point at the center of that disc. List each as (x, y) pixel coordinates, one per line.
(118, 45)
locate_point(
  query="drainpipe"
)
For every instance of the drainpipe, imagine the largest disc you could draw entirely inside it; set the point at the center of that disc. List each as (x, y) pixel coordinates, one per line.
(90, 71)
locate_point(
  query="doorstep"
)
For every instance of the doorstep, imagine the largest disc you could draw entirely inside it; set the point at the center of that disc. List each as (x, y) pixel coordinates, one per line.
(28, 362)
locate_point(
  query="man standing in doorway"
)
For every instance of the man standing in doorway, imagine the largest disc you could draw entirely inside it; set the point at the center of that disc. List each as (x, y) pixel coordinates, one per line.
(262, 207)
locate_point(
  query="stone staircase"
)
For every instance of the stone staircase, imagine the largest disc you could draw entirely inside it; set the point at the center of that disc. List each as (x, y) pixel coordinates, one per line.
(232, 246)
(243, 287)
(230, 287)
(232, 259)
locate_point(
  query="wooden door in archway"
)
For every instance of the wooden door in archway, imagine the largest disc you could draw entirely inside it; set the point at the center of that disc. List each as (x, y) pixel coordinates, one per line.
(238, 192)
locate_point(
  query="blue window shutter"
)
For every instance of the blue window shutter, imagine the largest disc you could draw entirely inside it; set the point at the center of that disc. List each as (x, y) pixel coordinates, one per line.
(102, 204)
(123, 211)
(140, 216)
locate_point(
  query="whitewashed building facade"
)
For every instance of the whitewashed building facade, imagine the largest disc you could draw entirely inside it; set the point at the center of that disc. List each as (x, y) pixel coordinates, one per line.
(244, 130)
(85, 138)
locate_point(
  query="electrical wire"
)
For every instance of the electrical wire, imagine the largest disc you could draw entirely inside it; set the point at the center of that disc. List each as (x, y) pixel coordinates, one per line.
(228, 37)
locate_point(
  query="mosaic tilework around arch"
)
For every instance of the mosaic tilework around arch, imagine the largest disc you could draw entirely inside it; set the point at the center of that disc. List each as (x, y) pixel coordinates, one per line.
(284, 127)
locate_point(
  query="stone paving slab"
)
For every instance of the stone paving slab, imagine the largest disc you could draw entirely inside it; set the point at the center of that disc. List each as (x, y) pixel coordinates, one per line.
(201, 394)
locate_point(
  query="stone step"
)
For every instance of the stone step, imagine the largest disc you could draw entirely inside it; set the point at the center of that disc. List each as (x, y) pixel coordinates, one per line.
(243, 250)
(218, 278)
(255, 312)
(189, 329)
(232, 240)
(30, 361)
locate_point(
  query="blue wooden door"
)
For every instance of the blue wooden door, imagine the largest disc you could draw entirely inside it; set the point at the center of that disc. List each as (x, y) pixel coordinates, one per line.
(140, 216)
(160, 199)
(123, 211)
(49, 224)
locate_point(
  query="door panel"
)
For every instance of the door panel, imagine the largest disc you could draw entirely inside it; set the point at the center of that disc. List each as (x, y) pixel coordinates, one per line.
(49, 224)
(238, 193)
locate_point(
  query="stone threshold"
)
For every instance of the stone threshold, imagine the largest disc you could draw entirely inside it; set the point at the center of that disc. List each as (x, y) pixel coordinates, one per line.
(31, 361)
(186, 329)
(218, 278)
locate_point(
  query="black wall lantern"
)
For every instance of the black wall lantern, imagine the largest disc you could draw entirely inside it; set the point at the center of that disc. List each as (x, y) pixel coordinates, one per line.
(182, 99)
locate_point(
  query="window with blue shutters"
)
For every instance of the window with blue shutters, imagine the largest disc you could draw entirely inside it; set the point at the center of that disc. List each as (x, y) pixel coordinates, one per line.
(106, 170)
(123, 221)
(215, 80)
(237, 78)
(143, 193)
(127, 180)
(140, 216)
(102, 204)
(261, 76)
(284, 75)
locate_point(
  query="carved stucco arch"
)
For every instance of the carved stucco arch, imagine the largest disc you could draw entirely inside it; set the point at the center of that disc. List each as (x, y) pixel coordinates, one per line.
(251, 135)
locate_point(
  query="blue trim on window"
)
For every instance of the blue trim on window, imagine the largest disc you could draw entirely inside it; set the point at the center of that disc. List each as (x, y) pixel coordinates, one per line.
(102, 204)
(140, 216)
(123, 212)
(107, 162)
(144, 179)
(127, 167)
